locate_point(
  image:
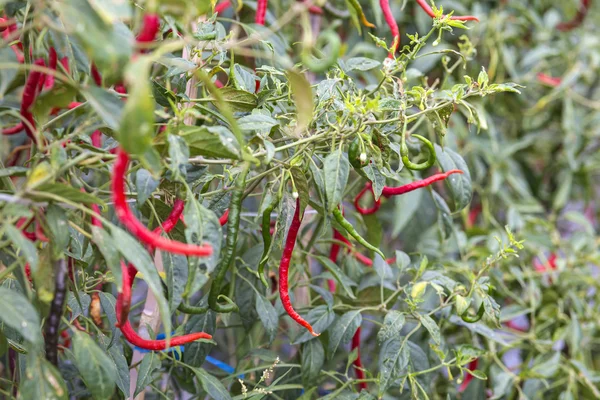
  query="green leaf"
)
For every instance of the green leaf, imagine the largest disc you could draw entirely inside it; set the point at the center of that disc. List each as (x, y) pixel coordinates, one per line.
(13, 171)
(239, 100)
(149, 364)
(114, 350)
(393, 359)
(19, 314)
(212, 385)
(257, 122)
(268, 316)
(112, 10)
(68, 192)
(303, 98)
(202, 226)
(195, 353)
(95, 366)
(336, 168)
(21, 243)
(108, 106)
(179, 154)
(136, 129)
(320, 317)
(59, 227)
(145, 185)
(301, 184)
(342, 330)
(7, 75)
(109, 303)
(339, 275)
(313, 358)
(392, 325)
(176, 267)
(42, 380)
(108, 44)
(431, 327)
(138, 256)
(109, 251)
(361, 64)
(212, 141)
(459, 184)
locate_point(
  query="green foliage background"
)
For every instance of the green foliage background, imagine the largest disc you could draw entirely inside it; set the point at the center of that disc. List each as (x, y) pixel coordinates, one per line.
(514, 236)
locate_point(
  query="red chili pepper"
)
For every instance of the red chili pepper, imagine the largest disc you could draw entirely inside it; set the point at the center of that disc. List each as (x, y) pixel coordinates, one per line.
(16, 48)
(157, 345)
(135, 226)
(52, 62)
(333, 255)
(150, 27)
(261, 12)
(473, 214)
(548, 80)
(219, 8)
(358, 367)
(96, 76)
(120, 88)
(13, 130)
(39, 233)
(549, 266)
(578, 19)
(391, 21)
(96, 139)
(395, 191)
(284, 267)
(427, 8)
(224, 218)
(468, 377)
(30, 92)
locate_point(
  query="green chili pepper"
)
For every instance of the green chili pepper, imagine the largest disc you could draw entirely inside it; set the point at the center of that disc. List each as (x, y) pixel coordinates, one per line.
(350, 229)
(361, 14)
(421, 166)
(323, 64)
(227, 252)
(467, 318)
(266, 234)
(189, 309)
(354, 152)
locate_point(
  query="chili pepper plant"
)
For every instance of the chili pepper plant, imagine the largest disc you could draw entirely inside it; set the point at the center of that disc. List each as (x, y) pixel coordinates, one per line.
(298, 199)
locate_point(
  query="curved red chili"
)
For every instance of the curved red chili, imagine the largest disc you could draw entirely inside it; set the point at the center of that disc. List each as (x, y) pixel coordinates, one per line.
(427, 8)
(261, 12)
(284, 267)
(13, 130)
(395, 191)
(391, 21)
(584, 6)
(135, 226)
(358, 367)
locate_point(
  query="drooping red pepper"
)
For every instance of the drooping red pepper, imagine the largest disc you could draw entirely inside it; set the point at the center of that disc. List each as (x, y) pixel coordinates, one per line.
(427, 8)
(584, 6)
(150, 27)
(548, 80)
(395, 191)
(468, 377)
(135, 226)
(333, 255)
(224, 218)
(13, 130)
(358, 366)
(284, 267)
(261, 12)
(30, 92)
(52, 63)
(16, 48)
(391, 21)
(96, 76)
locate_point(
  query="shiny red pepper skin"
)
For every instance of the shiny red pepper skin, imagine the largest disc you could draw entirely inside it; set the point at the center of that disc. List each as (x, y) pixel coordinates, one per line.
(391, 21)
(395, 191)
(150, 27)
(135, 226)
(284, 267)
